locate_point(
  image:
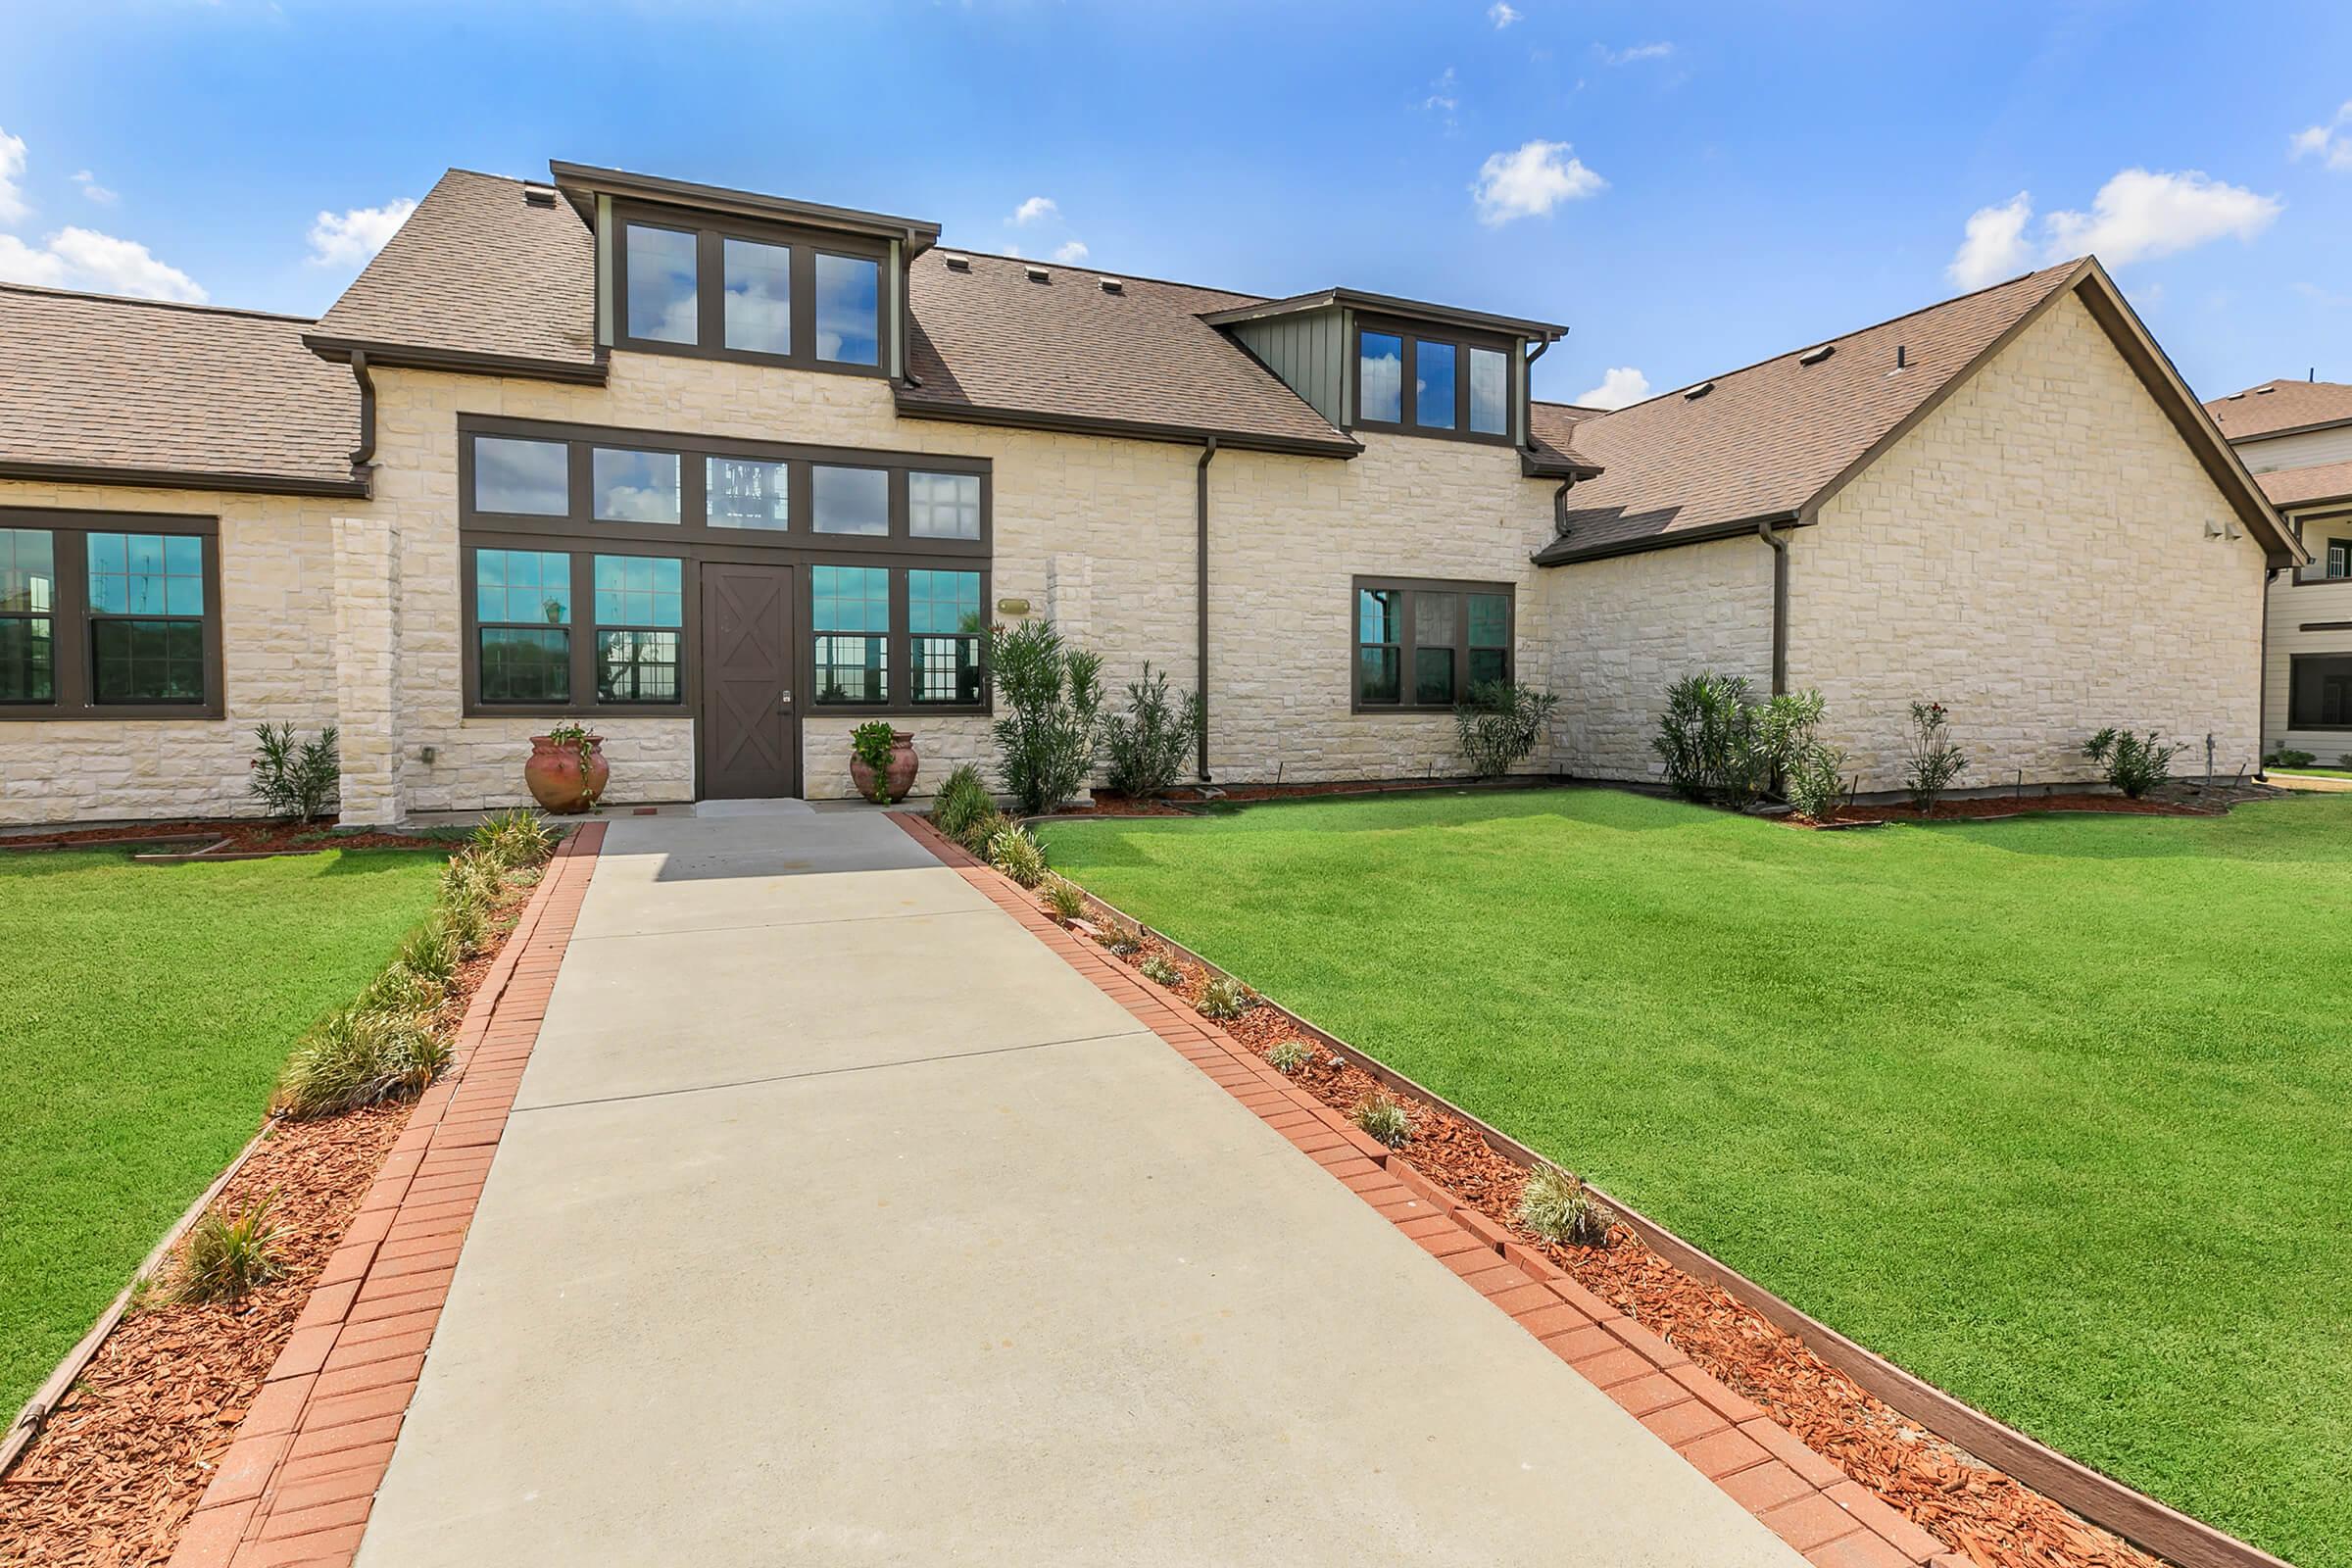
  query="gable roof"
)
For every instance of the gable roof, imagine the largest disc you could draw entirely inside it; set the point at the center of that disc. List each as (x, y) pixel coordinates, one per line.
(2312, 485)
(1550, 449)
(2281, 408)
(105, 390)
(478, 278)
(1771, 443)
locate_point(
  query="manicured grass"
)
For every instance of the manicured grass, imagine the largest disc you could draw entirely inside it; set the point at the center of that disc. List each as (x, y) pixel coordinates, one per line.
(148, 1010)
(2056, 1112)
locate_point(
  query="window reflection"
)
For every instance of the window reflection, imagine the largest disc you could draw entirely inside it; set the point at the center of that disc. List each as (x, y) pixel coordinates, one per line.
(662, 301)
(849, 306)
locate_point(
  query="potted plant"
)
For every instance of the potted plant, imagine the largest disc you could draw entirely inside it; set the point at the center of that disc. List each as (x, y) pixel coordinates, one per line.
(567, 772)
(882, 762)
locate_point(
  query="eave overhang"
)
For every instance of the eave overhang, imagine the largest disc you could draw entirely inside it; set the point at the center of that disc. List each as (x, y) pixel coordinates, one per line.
(581, 184)
(1387, 304)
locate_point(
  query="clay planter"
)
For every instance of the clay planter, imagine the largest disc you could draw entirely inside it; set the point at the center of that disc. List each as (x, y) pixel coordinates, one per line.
(557, 780)
(897, 778)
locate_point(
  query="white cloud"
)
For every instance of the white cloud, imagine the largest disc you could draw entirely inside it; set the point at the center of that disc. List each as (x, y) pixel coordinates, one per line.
(81, 257)
(1033, 210)
(349, 239)
(1636, 55)
(1530, 181)
(2330, 142)
(93, 190)
(1443, 96)
(11, 169)
(1502, 14)
(1620, 385)
(1071, 254)
(2137, 215)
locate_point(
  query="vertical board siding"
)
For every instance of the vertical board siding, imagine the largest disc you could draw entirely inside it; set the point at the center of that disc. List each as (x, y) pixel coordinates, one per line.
(1308, 352)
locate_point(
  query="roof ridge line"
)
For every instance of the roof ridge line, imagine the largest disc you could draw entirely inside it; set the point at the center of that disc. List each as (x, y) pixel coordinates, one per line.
(943, 249)
(204, 306)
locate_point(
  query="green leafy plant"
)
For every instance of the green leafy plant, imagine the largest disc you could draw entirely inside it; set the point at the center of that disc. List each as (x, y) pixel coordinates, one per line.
(1064, 897)
(1223, 997)
(1498, 724)
(1289, 1056)
(401, 988)
(871, 744)
(984, 828)
(574, 736)
(294, 782)
(1556, 1206)
(1816, 782)
(1144, 747)
(2344, 760)
(962, 800)
(1122, 939)
(1015, 854)
(227, 1257)
(2132, 763)
(1050, 697)
(1161, 971)
(1718, 745)
(359, 1057)
(514, 840)
(2287, 756)
(432, 950)
(1383, 1116)
(1933, 764)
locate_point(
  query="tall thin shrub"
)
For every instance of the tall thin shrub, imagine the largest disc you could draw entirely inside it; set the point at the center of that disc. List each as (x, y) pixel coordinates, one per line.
(1498, 724)
(1145, 744)
(290, 780)
(1933, 764)
(1050, 697)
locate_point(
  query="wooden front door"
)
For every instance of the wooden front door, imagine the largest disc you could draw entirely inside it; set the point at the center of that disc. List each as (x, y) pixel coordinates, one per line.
(751, 729)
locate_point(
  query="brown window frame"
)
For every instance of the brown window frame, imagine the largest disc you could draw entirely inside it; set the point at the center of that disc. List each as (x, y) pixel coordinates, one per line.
(71, 647)
(1461, 342)
(711, 288)
(2295, 687)
(1408, 628)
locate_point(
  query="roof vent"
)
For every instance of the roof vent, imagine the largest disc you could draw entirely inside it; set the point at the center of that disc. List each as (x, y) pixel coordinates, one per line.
(1903, 356)
(538, 195)
(2264, 391)
(1037, 274)
(1111, 286)
(959, 264)
(1816, 356)
(1698, 391)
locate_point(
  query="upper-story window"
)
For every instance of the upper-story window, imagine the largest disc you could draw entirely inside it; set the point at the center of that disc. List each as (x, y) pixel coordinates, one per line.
(1430, 384)
(751, 291)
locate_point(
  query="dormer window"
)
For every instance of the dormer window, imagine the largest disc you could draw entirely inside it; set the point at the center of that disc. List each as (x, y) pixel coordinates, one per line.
(1432, 383)
(749, 291)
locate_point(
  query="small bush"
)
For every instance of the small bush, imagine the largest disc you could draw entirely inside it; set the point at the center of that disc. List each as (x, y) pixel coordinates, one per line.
(871, 743)
(2132, 765)
(227, 1257)
(1289, 1056)
(359, 1059)
(2287, 756)
(1015, 854)
(431, 949)
(1555, 1207)
(1816, 783)
(1498, 724)
(1223, 997)
(401, 988)
(1049, 706)
(513, 840)
(1935, 764)
(1064, 899)
(1145, 746)
(1122, 939)
(985, 828)
(1161, 971)
(470, 878)
(1707, 738)
(467, 923)
(962, 800)
(1383, 1116)
(294, 782)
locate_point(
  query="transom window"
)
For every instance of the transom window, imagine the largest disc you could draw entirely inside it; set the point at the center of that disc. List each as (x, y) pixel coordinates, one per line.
(635, 486)
(1433, 385)
(943, 506)
(113, 613)
(1426, 644)
(853, 501)
(776, 294)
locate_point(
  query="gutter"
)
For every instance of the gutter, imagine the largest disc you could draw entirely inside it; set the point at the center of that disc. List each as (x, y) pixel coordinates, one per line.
(365, 454)
(461, 361)
(917, 407)
(268, 484)
(1553, 555)
(1208, 452)
(1780, 605)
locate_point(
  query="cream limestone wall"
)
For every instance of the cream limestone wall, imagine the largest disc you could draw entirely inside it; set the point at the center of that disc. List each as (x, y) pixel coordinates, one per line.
(277, 573)
(2035, 555)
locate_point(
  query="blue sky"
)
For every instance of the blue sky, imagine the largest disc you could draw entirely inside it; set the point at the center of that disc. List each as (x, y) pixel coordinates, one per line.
(1687, 188)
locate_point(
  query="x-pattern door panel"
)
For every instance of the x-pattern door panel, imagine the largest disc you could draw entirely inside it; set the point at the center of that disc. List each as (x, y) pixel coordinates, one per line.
(750, 730)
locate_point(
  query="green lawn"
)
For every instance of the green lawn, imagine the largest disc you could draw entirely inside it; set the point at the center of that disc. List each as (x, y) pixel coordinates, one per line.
(2315, 772)
(148, 1012)
(2056, 1112)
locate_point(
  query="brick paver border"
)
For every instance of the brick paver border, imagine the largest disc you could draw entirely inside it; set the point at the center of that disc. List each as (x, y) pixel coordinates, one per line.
(297, 1482)
(1806, 1499)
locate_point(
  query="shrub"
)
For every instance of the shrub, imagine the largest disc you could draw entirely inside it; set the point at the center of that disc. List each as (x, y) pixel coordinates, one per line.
(432, 952)
(1223, 997)
(870, 743)
(1718, 745)
(1555, 1207)
(2287, 757)
(1015, 854)
(2131, 764)
(1816, 782)
(401, 988)
(1289, 1056)
(1934, 762)
(1161, 971)
(1145, 746)
(2344, 760)
(513, 840)
(961, 802)
(227, 1257)
(1122, 939)
(1497, 725)
(470, 878)
(467, 923)
(1051, 701)
(1064, 899)
(294, 782)
(359, 1057)
(983, 828)
(1383, 1116)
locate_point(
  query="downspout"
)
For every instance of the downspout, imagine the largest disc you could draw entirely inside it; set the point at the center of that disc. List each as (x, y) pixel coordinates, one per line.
(363, 457)
(1559, 508)
(2262, 684)
(1208, 450)
(1779, 606)
(1527, 404)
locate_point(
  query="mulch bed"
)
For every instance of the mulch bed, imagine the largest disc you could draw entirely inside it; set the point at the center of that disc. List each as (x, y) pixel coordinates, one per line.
(244, 837)
(129, 1451)
(1980, 806)
(1976, 1511)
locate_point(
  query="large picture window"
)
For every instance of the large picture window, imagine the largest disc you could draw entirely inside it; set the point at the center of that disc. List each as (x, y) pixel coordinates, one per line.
(1424, 644)
(748, 290)
(1433, 383)
(108, 614)
(2320, 692)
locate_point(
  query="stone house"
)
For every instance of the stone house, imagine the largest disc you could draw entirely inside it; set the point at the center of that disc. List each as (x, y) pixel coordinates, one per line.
(721, 475)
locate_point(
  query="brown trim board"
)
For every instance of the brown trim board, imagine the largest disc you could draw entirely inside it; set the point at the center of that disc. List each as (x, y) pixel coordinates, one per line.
(915, 408)
(269, 484)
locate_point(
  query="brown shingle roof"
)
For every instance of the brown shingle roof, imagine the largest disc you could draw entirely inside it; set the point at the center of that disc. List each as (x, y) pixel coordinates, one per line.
(991, 344)
(476, 271)
(2301, 487)
(1765, 441)
(2277, 406)
(172, 392)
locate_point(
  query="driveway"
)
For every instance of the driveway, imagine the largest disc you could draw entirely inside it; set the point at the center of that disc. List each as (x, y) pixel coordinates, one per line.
(839, 1221)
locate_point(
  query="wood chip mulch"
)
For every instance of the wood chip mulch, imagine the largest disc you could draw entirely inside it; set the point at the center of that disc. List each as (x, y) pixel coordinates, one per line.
(1990, 805)
(245, 836)
(127, 1453)
(1980, 1513)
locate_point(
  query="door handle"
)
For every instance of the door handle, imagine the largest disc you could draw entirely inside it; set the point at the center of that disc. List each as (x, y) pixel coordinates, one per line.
(784, 701)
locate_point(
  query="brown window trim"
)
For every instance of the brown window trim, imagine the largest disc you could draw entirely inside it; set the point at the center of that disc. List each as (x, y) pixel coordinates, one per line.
(1462, 341)
(1411, 587)
(2294, 663)
(709, 280)
(71, 619)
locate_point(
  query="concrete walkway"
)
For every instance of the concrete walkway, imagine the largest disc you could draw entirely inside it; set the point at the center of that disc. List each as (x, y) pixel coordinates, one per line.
(838, 1221)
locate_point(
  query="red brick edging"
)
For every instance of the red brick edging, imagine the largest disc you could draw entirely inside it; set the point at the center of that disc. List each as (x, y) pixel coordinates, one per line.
(1806, 1499)
(297, 1484)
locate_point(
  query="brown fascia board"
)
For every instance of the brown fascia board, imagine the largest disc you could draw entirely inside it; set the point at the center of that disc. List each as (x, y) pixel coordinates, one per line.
(1126, 429)
(1563, 552)
(584, 181)
(1533, 466)
(1385, 305)
(461, 361)
(268, 484)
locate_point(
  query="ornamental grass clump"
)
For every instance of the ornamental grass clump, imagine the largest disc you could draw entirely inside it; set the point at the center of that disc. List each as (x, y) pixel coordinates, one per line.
(227, 1257)
(1223, 997)
(1015, 854)
(359, 1057)
(1064, 899)
(984, 828)
(962, 800)
(1289, 1056)
(1555, 1207)
(514, 840)
(431, 949)
(1159, 971)
(401, 988)
(1383, 1116)
(1122, 939)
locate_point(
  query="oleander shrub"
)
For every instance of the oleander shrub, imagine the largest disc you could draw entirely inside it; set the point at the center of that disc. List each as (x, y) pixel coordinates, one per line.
(225, 1256)
(1161, 971)
(1556, 1206)
(1718, 744)
(1064, 897)
(1145, 744)
(1498, 723)
(359, 1057)
(1223, 997)
(1383, 1116)
(514, 840)
(1049, 713)
(962, 800)
(1015, 854)
(2132, 763)
(1932, 762)
(294, 782)
(1289, 1056)
(1816, 783)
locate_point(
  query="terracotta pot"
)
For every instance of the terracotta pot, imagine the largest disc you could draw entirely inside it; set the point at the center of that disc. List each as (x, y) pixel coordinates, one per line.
(897, 778)
(557, 779)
